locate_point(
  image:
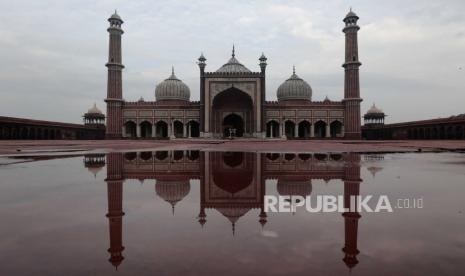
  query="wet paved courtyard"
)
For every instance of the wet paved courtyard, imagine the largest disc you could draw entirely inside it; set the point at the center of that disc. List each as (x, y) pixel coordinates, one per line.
(190, 212)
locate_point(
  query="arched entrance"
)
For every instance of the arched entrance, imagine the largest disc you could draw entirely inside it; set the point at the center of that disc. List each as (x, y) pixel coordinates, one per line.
(289, 128)
(145, 129)
(272, 129)
(130, 127)
(304, 129)
(320, 129)
(232, 108)
(162, 129)
(193, 129)
(178, 128)
(235, 123)
(335, 129)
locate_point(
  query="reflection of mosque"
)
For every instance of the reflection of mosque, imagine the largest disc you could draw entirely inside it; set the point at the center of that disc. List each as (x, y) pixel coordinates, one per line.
(233, 183)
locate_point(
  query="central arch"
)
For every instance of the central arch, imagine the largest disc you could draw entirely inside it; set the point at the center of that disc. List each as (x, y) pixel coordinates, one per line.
(232, 108)
(233, 121)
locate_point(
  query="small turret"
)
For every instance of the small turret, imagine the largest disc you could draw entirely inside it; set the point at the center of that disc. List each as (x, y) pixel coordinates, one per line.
(94, 116)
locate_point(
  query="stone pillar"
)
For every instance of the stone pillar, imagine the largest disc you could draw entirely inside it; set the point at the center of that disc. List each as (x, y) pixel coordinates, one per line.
(312, 131)
(328, 132)
(154, 130)
(296, 131)
(282, 131)
(184, 131)
(124, 131)
(138, 130)
(342, 131)
(271, 130)
(189, 130)
(171, 130)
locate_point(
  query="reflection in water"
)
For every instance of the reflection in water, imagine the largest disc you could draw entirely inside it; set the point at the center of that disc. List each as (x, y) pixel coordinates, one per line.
(232, 183)
(373, 159)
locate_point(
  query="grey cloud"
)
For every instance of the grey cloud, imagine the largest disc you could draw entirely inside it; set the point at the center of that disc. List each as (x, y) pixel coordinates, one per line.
(53, 52)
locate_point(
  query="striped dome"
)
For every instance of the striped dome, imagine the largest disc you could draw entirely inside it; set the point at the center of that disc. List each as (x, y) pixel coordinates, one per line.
(294, 88)
(233, 65)
(172, 89)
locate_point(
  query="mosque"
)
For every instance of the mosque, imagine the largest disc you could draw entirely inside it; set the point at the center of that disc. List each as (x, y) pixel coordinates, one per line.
(233, 101)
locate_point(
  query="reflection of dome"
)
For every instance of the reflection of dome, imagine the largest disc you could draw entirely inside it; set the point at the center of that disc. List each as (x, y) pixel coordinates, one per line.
(294, 88)
(172, 191)
(233, 66)
(233, 213)
(94, 163)
(374, 170)
(172, 89)
(95, 169)
(294, 188)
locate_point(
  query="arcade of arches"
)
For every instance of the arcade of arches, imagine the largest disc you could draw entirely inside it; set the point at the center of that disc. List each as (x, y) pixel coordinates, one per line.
(161, 129)
(304, 129)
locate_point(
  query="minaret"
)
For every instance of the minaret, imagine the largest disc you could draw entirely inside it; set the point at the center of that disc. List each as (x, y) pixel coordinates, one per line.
(115, 207)
(114, 98)
(351, 66)
(202, 64)
(351, 189)
(263, 64)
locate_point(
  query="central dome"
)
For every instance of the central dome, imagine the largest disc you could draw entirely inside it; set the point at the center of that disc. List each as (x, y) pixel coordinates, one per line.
(294, 88)
(233, 66)
(172, 89)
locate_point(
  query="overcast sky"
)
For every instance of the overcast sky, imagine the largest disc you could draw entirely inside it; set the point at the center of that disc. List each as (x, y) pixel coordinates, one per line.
(53, 53)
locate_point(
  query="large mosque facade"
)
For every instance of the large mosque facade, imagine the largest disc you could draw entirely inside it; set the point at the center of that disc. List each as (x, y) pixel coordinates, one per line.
(233, 101)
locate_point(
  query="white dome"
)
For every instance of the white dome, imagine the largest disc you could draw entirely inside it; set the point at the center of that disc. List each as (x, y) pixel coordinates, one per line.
(294, 88)
(94, 110)
(172, 89)
(374, 110)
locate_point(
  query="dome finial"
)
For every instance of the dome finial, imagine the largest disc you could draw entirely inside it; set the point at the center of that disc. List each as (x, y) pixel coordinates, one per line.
(172, 70)
(293, 69)
(233, 51)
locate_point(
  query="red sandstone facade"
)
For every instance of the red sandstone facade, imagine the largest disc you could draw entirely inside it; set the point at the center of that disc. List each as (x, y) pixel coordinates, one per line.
(233, 101)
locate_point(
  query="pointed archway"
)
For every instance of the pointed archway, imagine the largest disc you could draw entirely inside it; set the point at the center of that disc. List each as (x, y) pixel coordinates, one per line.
(235, 123)
(232, 107)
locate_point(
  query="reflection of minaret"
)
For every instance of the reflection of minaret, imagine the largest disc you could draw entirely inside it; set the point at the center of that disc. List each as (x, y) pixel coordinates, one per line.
(115, 207)
(351, 188)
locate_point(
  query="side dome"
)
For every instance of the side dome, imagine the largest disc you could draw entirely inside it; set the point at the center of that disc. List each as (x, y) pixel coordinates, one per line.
(294, 88)
(172, 89)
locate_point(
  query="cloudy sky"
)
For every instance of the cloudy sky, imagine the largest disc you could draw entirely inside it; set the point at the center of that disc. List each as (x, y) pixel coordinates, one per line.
(52, 53)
